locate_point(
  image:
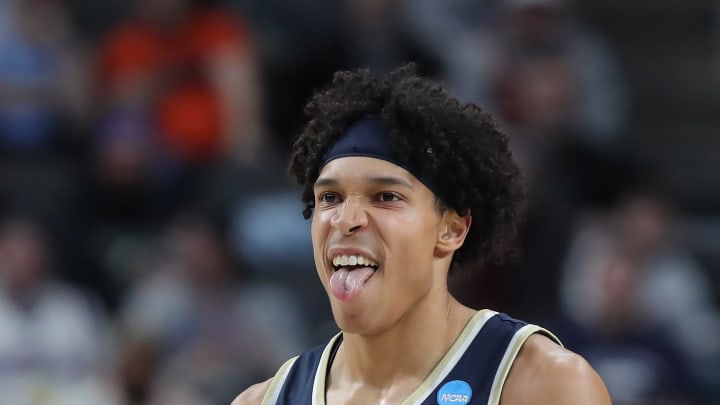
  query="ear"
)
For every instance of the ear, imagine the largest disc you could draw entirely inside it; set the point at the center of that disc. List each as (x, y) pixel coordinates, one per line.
(453, 230)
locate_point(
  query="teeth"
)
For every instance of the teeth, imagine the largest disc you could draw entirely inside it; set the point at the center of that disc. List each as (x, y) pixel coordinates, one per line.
(352, 260)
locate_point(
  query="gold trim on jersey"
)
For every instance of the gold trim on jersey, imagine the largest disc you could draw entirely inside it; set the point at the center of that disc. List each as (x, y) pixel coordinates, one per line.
(271, 395)
(516, 343)
(318, 394)
(450, 359)
(436, 376)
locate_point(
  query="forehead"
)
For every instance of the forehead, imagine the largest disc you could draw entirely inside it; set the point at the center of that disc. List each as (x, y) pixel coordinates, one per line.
(363, 169)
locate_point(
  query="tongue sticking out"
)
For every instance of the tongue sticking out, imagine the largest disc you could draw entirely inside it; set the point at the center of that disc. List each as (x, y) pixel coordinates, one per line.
(346, 284)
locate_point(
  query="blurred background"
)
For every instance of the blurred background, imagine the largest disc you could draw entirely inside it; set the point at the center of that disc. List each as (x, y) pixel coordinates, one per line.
(152, 247)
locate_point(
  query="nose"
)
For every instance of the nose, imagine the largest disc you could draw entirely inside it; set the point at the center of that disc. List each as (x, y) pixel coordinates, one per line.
(349, 217)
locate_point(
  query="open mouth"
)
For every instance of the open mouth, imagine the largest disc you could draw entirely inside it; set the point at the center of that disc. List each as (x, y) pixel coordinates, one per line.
(351, 272)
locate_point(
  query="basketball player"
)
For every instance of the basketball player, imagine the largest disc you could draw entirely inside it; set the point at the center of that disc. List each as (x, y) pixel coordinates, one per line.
(404, 184)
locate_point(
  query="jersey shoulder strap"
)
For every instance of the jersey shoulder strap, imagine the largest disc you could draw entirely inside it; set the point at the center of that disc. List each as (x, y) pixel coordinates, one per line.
(298, 380)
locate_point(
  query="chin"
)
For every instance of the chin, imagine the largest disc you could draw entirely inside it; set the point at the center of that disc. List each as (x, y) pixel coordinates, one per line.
(354, 318)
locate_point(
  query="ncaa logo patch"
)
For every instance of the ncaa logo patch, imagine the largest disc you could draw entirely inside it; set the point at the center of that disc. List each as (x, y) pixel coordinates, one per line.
(454, 392)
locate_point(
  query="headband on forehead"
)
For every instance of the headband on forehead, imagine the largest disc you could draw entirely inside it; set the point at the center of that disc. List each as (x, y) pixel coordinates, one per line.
(368, 137)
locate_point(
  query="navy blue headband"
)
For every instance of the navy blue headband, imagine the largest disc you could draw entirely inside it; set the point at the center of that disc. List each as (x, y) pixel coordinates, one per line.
(369, 137)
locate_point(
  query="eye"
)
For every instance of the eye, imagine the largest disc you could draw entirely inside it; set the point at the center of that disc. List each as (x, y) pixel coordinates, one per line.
(387, 196)
(328, 197)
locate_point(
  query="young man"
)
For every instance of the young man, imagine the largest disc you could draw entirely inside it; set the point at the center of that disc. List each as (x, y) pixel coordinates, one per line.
(404, 185)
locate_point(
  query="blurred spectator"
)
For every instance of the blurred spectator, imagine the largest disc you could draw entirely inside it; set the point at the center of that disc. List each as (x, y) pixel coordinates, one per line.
(53, 347)
(43, 84)
(126, 200)
(542, 71)
(193, 68)
(626, 275)
(215, 332)
(638, 359)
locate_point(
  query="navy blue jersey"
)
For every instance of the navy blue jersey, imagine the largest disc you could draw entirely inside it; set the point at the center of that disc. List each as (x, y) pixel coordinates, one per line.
(473, 371)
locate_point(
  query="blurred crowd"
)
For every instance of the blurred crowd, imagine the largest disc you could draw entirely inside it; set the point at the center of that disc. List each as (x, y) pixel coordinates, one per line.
(152, 248)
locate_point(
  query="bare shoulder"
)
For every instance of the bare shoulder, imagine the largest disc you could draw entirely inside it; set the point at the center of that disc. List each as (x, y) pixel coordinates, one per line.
(546, 373)
(253, 395)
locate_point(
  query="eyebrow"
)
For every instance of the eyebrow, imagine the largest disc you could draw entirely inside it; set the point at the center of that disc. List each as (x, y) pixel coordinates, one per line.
(380, 180)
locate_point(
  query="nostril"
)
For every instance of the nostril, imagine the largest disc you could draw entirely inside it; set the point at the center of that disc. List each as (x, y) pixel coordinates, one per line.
(354, 228)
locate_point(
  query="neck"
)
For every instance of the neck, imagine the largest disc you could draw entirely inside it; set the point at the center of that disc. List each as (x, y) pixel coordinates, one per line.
(410, 349)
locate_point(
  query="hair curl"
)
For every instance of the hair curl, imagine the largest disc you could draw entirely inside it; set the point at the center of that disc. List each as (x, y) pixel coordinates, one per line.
(457, 143)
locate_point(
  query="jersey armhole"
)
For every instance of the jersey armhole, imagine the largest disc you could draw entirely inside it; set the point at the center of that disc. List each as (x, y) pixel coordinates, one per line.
(273, 391)
(516, 343)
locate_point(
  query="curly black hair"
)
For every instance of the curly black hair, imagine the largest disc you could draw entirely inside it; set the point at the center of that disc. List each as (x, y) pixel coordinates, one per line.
(457, 143)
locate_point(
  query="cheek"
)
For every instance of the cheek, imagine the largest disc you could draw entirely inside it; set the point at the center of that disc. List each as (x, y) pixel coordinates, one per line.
(318, 232)
(412, 244)
(319, 227)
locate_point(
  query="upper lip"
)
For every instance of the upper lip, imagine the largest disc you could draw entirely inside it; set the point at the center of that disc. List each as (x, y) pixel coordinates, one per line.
(349, 251)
